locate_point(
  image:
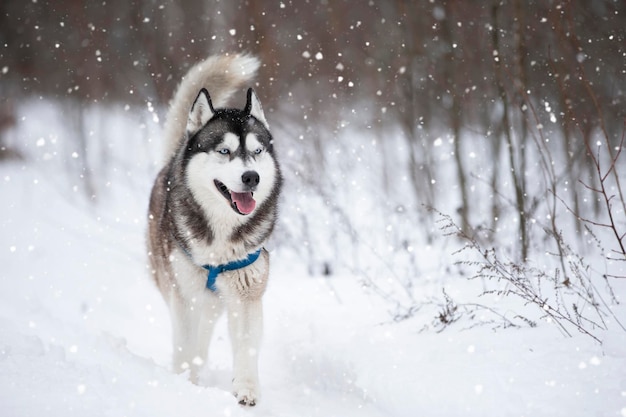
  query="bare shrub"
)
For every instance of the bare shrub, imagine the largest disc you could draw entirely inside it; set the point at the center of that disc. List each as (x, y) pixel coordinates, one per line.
(568, 298)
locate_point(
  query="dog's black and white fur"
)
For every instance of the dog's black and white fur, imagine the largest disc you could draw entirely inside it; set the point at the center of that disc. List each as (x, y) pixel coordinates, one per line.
(215, 202)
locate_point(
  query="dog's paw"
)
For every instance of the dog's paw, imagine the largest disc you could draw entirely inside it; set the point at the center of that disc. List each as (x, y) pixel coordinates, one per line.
(246, 392)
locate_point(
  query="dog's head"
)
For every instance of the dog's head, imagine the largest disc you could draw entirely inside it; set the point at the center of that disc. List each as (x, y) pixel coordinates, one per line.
(229, 155)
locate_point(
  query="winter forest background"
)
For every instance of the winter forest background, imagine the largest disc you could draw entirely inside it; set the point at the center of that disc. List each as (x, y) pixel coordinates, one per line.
(460, 161)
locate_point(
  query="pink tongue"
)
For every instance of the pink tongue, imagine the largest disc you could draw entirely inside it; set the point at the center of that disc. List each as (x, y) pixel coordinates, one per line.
(244, 201)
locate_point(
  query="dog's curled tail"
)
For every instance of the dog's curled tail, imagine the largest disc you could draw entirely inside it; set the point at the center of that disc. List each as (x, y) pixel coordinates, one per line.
(221, 75)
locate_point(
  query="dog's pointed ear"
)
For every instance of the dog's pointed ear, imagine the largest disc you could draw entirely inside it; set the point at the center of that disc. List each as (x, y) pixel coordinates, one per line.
(253, 108)
(201, 112)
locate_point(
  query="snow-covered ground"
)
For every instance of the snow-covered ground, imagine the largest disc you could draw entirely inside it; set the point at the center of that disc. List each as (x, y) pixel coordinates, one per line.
(84, 332)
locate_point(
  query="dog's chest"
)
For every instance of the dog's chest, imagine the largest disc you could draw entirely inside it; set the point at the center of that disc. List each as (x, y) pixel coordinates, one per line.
(217, 245)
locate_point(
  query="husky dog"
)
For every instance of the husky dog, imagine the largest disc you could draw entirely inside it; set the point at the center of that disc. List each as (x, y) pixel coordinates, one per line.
(212, 207)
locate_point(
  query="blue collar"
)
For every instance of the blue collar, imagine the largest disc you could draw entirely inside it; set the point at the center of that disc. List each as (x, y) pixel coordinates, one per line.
(214, 271)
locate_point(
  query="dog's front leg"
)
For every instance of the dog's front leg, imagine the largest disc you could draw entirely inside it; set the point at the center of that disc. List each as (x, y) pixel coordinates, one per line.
(192, 325)
(245, 323)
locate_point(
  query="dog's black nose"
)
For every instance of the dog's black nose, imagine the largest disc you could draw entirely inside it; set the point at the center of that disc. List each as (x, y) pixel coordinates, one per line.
(250, 178)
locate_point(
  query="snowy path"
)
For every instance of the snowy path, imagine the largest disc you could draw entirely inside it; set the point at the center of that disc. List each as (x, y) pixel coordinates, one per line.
(83, 332)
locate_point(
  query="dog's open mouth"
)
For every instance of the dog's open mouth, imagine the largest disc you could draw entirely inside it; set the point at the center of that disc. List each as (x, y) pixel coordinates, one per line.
(242, 203)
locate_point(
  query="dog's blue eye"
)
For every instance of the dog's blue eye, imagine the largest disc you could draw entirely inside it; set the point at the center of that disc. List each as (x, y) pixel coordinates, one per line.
(224, 151)
(258, 151)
